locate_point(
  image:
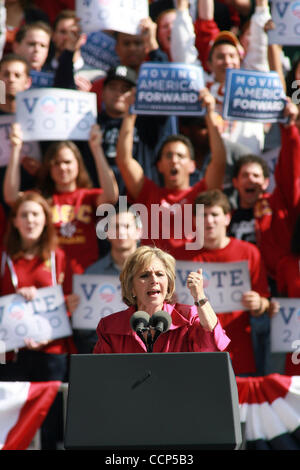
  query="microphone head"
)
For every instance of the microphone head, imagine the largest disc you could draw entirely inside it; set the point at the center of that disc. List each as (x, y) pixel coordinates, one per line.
(161, 320)
(139, 320)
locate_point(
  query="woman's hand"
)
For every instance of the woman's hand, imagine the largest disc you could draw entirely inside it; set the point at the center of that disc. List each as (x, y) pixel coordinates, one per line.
(16, 136)
(207, 99)
(129, 98)
(208, 318)
(28, 293)
(195, 284)
(36, 345)
(255, 303)
(72, 302)
(273, 308)
(95, 140)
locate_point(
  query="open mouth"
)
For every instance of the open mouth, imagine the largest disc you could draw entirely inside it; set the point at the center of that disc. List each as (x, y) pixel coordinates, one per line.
(153, 292)
(173, 171)
(250, 190)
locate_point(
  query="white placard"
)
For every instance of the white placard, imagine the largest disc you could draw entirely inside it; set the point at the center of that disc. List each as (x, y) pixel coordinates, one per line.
(286, 16)
(56, 114)
(29, 149)
(224, 283)
(44, 318)
(100, 295)
(115, 15)
(285, 325)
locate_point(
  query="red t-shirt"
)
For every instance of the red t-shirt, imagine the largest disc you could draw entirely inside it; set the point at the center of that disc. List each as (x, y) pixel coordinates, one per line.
(206, 31)
(97, 87)
(288, 284)
(36, 272)
(236, 324)
(2, 224)
(74, 216)
(172, 228)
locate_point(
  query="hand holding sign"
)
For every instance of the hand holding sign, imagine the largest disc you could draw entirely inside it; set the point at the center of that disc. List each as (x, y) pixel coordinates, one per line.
(29, 293)
(252, 301)
(72, 301)
(16, 136)
(148, 31)
(291, 111)
(74, 38)
(30, 343)
(169, 88)
(207, 99)
(30, 164)
(33, 322)
(95, 139)
(253, 96)
(56, 114)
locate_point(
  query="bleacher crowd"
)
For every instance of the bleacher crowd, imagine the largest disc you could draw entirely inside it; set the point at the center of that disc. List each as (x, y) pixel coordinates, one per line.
(50, 191)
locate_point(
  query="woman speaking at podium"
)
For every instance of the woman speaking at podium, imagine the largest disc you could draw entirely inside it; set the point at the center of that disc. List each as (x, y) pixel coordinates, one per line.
(153, 322)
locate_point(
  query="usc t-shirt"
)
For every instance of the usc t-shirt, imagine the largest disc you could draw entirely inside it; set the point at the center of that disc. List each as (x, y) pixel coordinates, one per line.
(74, 216)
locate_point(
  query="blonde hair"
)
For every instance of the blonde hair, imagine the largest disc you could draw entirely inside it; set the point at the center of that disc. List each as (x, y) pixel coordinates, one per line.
(140, 260)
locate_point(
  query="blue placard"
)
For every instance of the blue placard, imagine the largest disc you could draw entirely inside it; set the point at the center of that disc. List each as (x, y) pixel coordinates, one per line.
(253, 96)
(99, 51)
(41, 79)
(171, 88)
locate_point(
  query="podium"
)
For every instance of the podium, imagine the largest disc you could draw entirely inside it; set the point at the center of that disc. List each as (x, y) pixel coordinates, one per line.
(179, 401)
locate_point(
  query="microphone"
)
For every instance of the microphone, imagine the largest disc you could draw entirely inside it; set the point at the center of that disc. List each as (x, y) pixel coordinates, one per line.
(139, 321)
(160, 321)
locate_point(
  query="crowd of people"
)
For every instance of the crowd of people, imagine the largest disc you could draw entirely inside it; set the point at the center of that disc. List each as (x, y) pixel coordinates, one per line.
(50, 192)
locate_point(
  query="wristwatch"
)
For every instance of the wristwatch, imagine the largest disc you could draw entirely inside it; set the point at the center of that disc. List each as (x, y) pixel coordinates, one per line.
(201, 302)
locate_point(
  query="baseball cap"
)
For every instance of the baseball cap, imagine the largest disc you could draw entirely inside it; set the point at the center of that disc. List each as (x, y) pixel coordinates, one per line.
(228, 37)
(121, 72)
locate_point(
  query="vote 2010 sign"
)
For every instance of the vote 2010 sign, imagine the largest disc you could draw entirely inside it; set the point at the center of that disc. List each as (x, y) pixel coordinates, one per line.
(253, 96)
(100, 295)
(171, 88)
(29, 149)
(224, 283)
(56, 114)
(285, 325)
(115, 15)
(286, 17)
(44, 318)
